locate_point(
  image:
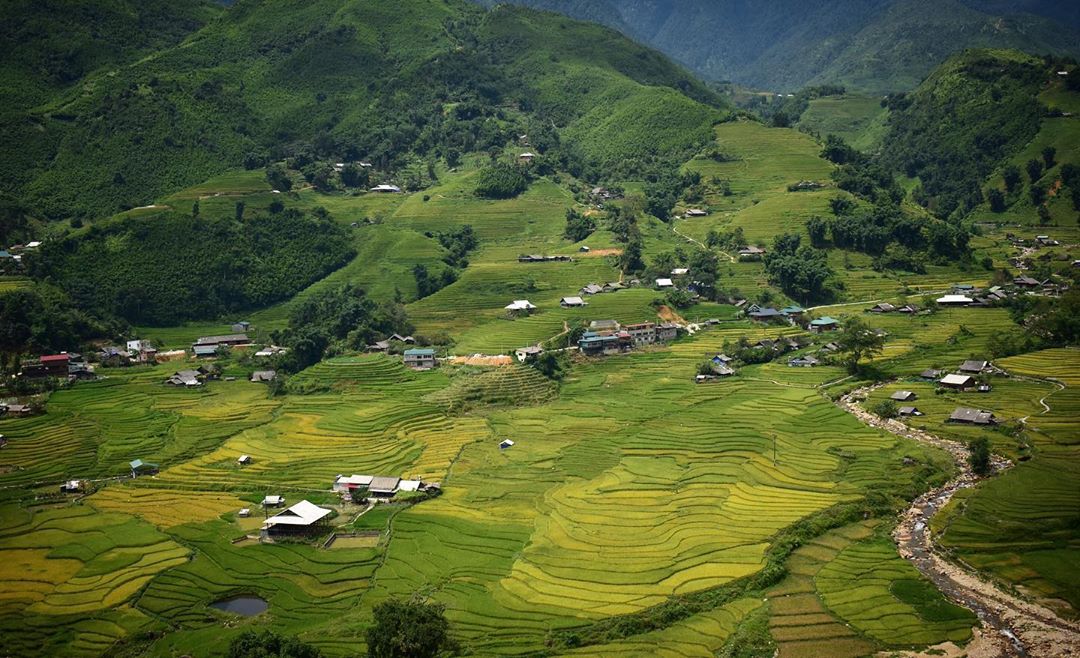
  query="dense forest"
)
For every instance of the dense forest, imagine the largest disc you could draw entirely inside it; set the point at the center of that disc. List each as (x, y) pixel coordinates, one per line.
(170, 268)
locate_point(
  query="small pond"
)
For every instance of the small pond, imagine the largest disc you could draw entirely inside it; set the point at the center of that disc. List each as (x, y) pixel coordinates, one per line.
(249, 606)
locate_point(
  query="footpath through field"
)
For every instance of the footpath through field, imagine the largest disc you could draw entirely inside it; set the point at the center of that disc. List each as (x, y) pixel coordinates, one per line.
(1011, 626)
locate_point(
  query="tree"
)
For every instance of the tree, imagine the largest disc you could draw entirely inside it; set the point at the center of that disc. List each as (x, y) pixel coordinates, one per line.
(1048, 154)
(278, 177)
(857, 341)
(501, 181)
(997, 199)
(578, 226)
(240, 205)
(1012, 178)
(838, 151)
(354, 176)
(408, 629)
(195, 209)
(268, 644)
(552, 365)
(817, 228)
(841, 205)
(1037, 194)
(885, 409)
(979, 455)
(1034, 169)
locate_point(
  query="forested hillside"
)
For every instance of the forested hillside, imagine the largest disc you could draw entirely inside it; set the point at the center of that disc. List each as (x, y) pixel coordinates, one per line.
(978, 108)
(173, 267)
(876, 46)
(350, 80)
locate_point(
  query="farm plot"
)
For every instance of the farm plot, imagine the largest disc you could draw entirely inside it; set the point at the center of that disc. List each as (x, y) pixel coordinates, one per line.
(879, 593)
(606, 506)
(67, 573)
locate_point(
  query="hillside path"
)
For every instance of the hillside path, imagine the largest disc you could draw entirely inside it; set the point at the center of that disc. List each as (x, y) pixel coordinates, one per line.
(699, 242)
(1012, 627)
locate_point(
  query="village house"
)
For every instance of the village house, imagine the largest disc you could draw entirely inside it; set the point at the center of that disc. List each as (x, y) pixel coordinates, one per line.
(958, 382)
(379, 346)
(955, 300)
(383, 486)
(243, 460)
(609, 342)
(302, 518)
(527, 156)
(751, 252)
(346, 484)
(113, 357)
(241, 327)
(883, 307)
(270, 351)
(584, 249)
(613, 286)
(526, 354)
(642, 333)
(972, 416)
(592, 289)
(931, 373)
(71, 487)
(755, 312)
(908, 309)
(50, 365)
(420, 358)
(386, 188)
(804, 362)
(506, 443)
(604, 325)
(680, 271)
(792, 311)
(536, 258)
(520, 306)
(273, 501)
(16, 410)
(823, 324)
(722, 359)
(909, 411)
(398, 338)
(664, 283)
(186, 378)
(667, 332)
(974, 366)
(139, 467)
(263, 376)
(572, 302)
(1025, 282)
(227, 339)
(696, 212)
(903, 396)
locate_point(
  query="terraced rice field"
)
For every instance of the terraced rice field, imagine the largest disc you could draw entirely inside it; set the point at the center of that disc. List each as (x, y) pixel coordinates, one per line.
(1019, 527)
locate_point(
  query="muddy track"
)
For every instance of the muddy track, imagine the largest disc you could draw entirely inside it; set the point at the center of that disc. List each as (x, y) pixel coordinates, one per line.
(1011, 627)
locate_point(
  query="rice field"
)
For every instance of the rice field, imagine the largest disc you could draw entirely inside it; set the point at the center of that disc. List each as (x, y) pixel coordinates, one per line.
(627, 485)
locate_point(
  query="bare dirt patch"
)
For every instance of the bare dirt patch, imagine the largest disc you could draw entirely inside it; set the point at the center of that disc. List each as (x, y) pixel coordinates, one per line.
(483, 360)
(597, 253)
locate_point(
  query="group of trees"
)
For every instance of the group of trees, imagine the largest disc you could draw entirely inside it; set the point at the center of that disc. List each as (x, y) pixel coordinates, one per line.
(663, 189)
(171, 268)
(43, 319)
(502, 180)
(801, 271)
(399, 629)
(336, 320)
(899, 239)
(578, 226)
(623, 222)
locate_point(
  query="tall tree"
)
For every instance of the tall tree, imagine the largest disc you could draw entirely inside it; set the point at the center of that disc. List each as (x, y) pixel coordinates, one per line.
(408, 629)
(857, 341)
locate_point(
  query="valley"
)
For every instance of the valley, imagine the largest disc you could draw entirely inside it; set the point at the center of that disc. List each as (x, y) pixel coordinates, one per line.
(680, 405)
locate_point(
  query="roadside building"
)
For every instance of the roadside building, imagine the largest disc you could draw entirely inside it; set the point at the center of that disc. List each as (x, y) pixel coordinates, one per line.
(667, 332)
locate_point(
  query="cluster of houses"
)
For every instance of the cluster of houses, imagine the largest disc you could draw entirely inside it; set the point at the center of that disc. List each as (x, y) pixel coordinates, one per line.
(792, 315)
(537, 258)
(610, 337)
(964, 294)
(963, 415)
(417, 358)
(11, 258)
(380, 486)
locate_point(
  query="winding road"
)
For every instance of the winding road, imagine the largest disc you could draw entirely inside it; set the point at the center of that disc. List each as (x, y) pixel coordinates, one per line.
(1011, 627)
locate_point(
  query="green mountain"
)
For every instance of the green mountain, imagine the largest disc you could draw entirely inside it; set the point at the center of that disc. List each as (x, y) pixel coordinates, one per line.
(271, 79)
(874, 46)
(978, 108)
